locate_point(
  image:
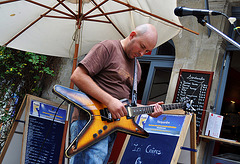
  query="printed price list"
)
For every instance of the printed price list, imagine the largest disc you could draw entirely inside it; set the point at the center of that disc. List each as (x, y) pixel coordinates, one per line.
(43, 141)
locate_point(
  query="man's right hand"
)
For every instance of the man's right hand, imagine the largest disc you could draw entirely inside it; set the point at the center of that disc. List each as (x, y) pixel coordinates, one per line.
(86, 84)
(116, 108)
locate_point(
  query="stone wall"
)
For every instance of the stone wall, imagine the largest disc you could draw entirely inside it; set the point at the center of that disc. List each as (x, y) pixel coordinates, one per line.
(201, 52)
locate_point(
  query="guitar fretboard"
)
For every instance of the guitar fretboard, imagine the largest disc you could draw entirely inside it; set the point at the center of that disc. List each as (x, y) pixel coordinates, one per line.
(134, 111)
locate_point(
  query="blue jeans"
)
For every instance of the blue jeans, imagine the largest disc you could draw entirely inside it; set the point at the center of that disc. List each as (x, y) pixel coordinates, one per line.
(98, 153)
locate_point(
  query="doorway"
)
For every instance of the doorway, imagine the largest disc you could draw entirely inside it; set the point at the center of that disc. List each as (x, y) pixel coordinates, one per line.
(230, 109)
(229, 106)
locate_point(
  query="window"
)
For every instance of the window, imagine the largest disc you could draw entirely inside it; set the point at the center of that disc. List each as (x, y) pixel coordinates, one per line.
(156, 73)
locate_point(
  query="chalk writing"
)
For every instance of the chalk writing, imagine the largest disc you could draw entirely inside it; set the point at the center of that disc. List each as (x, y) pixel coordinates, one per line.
(155, 149)
(136, 148)
(195, 85)
(149, 149)
(138, 160)
(152, 150)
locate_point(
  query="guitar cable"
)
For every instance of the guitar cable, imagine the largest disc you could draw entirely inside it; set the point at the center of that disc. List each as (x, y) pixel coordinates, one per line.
(39, 152)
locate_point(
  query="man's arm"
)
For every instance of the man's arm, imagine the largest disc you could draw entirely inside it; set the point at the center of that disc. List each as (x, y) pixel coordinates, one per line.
(85, 83)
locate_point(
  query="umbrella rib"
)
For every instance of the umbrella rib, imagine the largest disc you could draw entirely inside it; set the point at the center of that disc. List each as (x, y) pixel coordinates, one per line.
(61, 2)
(28, 26)
(8, 1)
(22, 31)
(95, 7)
(50, 16)
(67, 7)
(51, 8)
(96, 20)
(128, 5)
(98, 6)
(104, 14)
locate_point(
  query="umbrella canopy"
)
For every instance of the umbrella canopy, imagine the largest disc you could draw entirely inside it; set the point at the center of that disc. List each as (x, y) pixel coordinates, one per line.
(53, 27)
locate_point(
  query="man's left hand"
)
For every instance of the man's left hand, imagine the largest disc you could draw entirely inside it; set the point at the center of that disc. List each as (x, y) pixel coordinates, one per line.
(158, 110)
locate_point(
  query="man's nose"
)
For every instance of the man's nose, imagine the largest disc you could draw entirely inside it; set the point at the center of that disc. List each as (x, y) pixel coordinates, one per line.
(142, 53)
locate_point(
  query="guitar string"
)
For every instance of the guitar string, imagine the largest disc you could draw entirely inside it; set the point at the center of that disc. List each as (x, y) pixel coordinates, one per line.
(145, 108)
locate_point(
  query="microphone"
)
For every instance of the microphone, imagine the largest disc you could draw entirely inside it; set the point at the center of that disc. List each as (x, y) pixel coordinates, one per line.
(183, 11)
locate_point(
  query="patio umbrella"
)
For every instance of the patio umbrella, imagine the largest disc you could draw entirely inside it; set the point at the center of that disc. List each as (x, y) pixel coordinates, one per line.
(70, 28)
(52, 27)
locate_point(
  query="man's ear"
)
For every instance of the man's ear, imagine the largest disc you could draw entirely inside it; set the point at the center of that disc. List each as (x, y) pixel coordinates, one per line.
(132, 35)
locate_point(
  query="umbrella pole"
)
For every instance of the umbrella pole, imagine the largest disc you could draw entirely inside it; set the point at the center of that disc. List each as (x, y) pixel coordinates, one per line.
(65, 137)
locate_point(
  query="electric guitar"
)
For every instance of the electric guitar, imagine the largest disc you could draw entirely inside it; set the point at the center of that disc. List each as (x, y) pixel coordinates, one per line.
(101, 124)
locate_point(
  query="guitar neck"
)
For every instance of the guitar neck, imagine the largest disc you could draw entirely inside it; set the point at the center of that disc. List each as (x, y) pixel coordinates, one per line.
(134, 111)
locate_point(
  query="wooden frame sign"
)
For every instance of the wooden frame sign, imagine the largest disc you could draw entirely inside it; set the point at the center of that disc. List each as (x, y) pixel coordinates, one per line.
(196, 86)
(39, 125)
(167, 134)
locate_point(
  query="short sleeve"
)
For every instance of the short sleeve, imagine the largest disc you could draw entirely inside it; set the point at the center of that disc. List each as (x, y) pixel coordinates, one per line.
(96, 59)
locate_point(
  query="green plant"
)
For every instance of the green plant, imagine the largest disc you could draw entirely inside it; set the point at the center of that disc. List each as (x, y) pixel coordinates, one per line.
(20, 73)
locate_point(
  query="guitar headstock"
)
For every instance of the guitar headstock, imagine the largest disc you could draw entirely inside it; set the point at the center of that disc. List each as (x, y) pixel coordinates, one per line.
(187, 105)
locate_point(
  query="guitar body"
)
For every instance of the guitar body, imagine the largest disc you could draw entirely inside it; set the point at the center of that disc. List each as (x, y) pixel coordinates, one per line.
(99, 125)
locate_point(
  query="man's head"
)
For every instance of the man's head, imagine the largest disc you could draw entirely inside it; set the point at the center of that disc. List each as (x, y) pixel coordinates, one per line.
(140, 41)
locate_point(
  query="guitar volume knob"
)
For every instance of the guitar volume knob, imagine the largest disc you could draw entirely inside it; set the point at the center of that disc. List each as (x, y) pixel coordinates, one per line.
(95, 135)
(100, 131)
(105, 127)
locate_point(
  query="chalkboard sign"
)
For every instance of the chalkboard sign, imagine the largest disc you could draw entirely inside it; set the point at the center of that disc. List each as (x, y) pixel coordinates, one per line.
(166, 135)
(33, 137)
(142, 151)
(194, 85)
(42, 136)
(38, 151)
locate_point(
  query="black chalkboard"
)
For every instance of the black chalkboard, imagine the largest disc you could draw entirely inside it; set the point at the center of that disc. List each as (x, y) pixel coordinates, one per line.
(166, 136)
(196, 86)
(156, 148)
(38, 151)
(42, 136)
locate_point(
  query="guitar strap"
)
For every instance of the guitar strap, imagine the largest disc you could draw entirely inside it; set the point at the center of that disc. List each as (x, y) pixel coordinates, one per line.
(134, 89)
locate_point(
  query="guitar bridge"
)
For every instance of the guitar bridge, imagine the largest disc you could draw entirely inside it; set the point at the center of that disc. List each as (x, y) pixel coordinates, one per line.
(106, 115)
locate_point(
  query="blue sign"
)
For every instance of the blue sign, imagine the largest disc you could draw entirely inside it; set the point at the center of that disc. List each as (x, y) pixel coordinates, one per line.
(159, 147)
(45, 111)
(165, 124)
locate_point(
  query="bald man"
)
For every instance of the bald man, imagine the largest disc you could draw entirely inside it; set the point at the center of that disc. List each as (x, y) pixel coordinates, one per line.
(106, 74)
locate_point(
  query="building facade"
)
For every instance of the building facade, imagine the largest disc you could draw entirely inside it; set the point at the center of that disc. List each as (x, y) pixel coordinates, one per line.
(208, 52)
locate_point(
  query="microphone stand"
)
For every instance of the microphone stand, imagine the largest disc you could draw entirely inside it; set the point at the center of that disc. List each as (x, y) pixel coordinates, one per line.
(204, 23)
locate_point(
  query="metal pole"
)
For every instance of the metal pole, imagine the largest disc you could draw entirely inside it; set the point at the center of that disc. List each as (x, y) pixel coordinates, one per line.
(223, 35)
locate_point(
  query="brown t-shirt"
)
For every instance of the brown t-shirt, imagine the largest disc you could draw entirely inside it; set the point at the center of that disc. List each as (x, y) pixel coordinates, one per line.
(111, 69)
